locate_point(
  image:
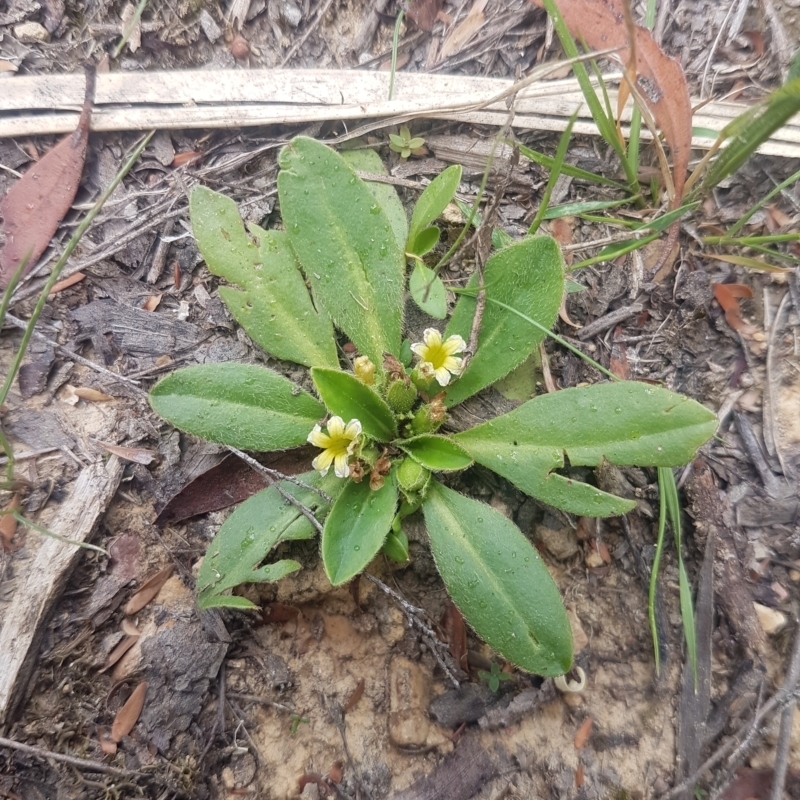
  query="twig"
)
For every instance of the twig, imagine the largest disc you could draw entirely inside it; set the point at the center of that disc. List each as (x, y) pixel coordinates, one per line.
(311, 28)
(609, 321)
(753, 449)
(337, 716)
(787, 718)
(254, 698)
(413, 615)
(80, 763)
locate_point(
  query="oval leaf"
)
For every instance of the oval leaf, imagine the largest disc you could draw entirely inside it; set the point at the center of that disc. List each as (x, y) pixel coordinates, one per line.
(626, 423)
(498, 581)
(348, 398)
(128, 715)
(528, 276)
(367, 160)
(241, 405)
(345, 244)
(426, 240)
(275, 307)
(437, 453)
(356, 528)
(439, 192)
(428, 291)
(248, 535)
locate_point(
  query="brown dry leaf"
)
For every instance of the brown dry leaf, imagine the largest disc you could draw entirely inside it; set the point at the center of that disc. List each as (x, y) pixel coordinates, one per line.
(66, 283)
(108, 746)
(35, 205)
(728, 296)
(7, 66)
(618, 363)
(8, 525)
(352, 701)
(151, 304)
(455, 632)
(119, 651)
(582, 734)
(138, 455)
(91, 395)
(128, 715)
(185, 158)
(131, 29)
(149, 589)
(465, 31)
(273, 613)
(423, 13)
(130, 628)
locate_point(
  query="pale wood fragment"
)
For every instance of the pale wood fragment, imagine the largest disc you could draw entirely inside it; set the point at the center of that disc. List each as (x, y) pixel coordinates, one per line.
(44, 579)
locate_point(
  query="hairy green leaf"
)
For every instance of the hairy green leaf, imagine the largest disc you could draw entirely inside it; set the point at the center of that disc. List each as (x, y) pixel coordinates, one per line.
(367, 160)
(257, 525)
(437, 453)
(273, 304)
(356, 528)
(428, 291)
(348, 398)
(438, 193)
(626, 423)
(498, 581)
(241, 405)
(346, 245)
(527, 275)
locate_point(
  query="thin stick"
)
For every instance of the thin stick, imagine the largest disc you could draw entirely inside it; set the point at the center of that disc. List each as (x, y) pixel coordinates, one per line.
(80, 763)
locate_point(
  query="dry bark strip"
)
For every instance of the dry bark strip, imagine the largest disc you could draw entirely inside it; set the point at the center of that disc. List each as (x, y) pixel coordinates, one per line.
(45, 578)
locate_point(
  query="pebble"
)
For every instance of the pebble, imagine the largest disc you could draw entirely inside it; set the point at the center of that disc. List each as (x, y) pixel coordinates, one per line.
(31, 32)
(408, 703)
(561, 544)
(209, 26)
(772, 621)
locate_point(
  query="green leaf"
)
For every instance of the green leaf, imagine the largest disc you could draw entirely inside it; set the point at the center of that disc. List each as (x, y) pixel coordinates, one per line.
(437, 453)
(356, 528)
(367, 160)
(240, 405)
(498, 581)
(428, 291)
(248, 535)
(345, 396)
(345, 244)
(426, 240)
(438, 193)
(273, 305)
(627, 423)
(527, 275)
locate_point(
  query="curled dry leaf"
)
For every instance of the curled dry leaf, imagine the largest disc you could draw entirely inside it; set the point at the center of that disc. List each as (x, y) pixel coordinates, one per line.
(582, 734)
(728, 296)
(138, 455)
(352, 701)
(119, 651)
(150, 588)
(8, 525)
(128, 715)
(35, 205)
(91, 395)
(455, 632)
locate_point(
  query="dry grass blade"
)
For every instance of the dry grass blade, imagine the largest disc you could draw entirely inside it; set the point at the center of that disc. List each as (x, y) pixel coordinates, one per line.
(150, 588)
(128, 715)
(35, 205)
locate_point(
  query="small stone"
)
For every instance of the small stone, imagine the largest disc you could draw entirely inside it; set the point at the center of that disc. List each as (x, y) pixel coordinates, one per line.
(31, 32)
(239, 47)
(594, 560)
(561, 544)
(794, 574)
(772, 621)
(408, 703)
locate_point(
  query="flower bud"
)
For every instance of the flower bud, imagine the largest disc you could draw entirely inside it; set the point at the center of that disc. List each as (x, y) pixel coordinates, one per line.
(411, 476)
(364, 370)
(401, 395)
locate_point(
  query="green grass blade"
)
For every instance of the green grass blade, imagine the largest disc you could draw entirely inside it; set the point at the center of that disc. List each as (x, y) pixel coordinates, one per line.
(744, 219)
(555, 174)
(574, 172)
(65, 539)
(651, 594)
(580, 208)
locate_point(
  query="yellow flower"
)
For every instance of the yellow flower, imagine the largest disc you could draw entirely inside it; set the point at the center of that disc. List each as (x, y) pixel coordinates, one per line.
(364, 370)
(337, 445)
(438, 355)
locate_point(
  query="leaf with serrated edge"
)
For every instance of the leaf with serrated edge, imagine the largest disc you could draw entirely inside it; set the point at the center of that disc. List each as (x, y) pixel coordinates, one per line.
(273, 305)
(345, 244)
(367, 160)
(527, 275)
(437, 453)
(356, 528)
(428, 291)
(432, 202)
(256, 526)
(627, 423)
(240, 405)
(498, 581)
(348, 398)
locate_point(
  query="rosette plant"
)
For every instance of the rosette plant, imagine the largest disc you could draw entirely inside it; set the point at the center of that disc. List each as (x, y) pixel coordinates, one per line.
(336, 272)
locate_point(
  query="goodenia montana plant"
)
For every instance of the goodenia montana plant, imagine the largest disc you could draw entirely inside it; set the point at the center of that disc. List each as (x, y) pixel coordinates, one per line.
(338, 267)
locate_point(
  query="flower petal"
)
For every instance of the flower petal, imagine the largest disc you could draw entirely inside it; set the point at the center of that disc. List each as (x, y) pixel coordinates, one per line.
(318, 438)
(340, 465)
(432, 337)
(323, 461)
(453, 364)
(454, 344)
(353, 429)
(442, 376)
